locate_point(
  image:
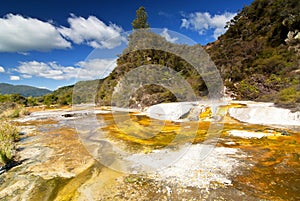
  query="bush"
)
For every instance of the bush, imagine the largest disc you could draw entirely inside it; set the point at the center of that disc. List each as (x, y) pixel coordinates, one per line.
(248, 90)
(9, 134)
(12, 110)
(289, 97)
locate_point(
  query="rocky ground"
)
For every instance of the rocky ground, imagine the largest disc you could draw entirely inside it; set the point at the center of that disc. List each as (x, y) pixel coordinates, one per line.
(58, 162)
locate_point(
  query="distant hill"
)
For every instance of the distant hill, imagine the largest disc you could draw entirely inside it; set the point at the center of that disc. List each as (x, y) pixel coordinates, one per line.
(23, 90)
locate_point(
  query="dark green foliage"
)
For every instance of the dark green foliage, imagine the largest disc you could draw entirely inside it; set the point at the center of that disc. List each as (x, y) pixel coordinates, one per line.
(81, 92)
(140, 22)
(22, 90)
(32, 101)
(14, 98)
(50, 99)
(137, 55)
(289, 97)
(63, 95)
(248, 90)
(256, 58)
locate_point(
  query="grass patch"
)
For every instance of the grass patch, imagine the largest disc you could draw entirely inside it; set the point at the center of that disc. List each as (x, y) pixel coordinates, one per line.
(9, 134)
(12, 110)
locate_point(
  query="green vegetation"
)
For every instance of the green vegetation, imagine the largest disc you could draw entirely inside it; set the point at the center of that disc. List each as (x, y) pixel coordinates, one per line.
(22, 90)
(148, 93)
(258, 58)
(9, 134)
(12, 106)
(84, 92)
(288, 97)
(140, 22)
(259, 54)
(81, 92)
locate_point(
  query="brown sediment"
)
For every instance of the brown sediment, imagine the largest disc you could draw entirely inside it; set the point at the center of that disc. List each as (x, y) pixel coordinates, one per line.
(270, 169)
(69, 156)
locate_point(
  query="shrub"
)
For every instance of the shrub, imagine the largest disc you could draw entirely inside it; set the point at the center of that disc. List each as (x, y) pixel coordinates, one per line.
(12, 110)
(9, 134)
(288, 97)
(248, 90)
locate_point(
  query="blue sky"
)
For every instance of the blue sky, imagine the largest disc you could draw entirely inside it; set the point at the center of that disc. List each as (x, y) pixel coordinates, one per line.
(46, 43)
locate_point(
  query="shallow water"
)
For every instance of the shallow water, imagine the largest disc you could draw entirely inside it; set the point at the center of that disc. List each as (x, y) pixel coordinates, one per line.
(61, 160)
(271, 169)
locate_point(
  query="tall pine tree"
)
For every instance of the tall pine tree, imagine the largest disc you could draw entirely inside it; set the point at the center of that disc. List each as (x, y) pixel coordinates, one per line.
(140, 22)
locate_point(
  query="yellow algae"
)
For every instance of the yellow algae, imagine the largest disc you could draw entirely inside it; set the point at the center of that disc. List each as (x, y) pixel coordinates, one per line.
(100, 185)
(276, 167)
(271, 168)
(236, 105)
(145, 131)
(206, 113)
(70, 189)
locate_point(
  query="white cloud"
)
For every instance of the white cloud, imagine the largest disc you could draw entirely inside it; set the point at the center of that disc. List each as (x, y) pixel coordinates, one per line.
(27, 76)
(14, 78)
(41, 69)
(167, 36)
(21, 34)
(2, 70)
(44, 88)
(202, 22)
(93, 32)
(96, 68)
(83, 70)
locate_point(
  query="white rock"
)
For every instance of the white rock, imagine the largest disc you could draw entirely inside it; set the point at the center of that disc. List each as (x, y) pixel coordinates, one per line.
(248, 134)
(265, 113)
(199, 166)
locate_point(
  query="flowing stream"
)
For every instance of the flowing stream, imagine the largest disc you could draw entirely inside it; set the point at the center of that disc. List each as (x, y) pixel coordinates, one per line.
(127, 155)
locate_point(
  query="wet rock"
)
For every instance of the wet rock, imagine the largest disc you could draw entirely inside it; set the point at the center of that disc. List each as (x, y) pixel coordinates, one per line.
(266, 114)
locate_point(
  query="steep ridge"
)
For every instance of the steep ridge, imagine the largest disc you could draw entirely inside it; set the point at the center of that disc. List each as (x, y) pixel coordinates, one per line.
(259, 54)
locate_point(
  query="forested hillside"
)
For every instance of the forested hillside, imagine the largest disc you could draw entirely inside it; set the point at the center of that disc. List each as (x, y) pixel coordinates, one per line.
(153, 88)
(259, 55)
(22, 90)
(258, 59)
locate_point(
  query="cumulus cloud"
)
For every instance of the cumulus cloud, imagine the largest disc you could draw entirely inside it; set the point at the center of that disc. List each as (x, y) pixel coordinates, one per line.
(41, 69)
(92, 31)
(96, 68)
(2, 70)
(202, 22)
(21, 34)
(83, 70)
(14, 78)
(167, 36)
